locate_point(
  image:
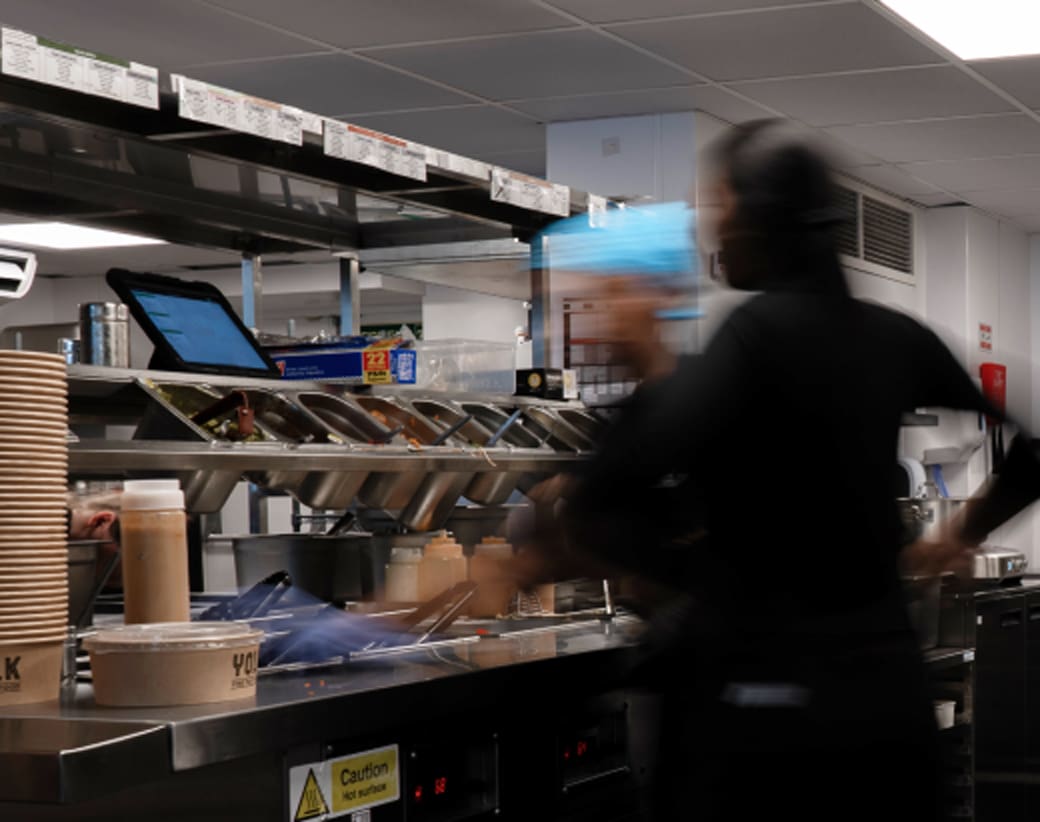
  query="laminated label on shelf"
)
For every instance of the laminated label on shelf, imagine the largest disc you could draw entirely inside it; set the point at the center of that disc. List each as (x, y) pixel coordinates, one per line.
(57, 64)
(457, 164)
(205, 103)
(373, 148)
(529, 192)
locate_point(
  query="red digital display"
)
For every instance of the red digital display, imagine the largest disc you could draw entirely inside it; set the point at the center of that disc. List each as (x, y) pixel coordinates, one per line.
(440, 785)
(418, 793)
(582, 748)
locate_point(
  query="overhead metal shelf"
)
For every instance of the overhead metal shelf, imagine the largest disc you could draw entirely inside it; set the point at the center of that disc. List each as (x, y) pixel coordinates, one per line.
(99, 162)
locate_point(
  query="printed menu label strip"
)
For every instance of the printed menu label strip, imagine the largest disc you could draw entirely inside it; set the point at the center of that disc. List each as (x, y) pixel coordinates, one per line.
(372, 148)
(33, 58)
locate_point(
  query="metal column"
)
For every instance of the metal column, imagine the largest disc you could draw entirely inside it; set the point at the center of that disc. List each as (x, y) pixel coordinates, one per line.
(349, 296)
(541, 324)
(252, 290)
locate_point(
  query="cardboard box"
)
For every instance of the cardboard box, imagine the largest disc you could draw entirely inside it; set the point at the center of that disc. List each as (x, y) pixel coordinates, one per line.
(374, 365)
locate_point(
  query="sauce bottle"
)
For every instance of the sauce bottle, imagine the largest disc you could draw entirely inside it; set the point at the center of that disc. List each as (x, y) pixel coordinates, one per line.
(154, 546)
(402, 575)
(489, 567)
(443, 566)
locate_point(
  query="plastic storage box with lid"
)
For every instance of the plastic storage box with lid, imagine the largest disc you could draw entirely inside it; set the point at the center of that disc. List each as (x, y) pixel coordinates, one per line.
(174, 663)
(466, 366)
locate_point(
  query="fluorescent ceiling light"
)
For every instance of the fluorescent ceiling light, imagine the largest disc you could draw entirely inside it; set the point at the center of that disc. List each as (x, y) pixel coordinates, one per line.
(68, 237)
(976, 29)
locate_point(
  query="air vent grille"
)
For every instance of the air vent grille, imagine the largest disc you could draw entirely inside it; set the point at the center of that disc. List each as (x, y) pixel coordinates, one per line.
(846, 232)
(887, 236)
(875, 232)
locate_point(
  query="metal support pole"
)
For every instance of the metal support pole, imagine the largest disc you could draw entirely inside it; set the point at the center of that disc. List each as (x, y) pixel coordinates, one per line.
(541, 328)
(349, 296)
(252, 290)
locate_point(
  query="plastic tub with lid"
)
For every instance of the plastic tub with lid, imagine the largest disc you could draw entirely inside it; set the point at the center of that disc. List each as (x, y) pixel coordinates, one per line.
(174, 663)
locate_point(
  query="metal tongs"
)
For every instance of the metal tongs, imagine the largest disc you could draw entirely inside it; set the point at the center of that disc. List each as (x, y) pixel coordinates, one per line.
(256, 602)
(445, 608)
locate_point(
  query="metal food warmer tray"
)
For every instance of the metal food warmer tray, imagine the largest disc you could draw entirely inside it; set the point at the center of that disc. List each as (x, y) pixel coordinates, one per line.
(329, 445)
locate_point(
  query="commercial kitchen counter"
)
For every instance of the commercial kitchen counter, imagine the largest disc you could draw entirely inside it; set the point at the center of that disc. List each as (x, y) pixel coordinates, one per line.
(76, 752)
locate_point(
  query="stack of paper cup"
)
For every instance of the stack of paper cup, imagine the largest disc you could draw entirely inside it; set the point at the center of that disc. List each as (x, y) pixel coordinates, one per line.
(33, 551)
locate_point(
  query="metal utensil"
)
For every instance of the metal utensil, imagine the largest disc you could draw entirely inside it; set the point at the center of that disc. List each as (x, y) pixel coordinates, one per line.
(494, 438)
(451, 429)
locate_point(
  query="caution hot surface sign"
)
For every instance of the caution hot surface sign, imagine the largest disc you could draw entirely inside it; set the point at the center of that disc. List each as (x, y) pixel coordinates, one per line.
(335, 787)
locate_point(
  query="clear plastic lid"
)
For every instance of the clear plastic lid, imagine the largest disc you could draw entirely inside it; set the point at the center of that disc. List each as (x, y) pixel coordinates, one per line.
(173, 636)
(152, 495)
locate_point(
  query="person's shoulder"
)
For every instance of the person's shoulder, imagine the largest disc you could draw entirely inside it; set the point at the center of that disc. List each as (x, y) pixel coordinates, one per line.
(893, 319)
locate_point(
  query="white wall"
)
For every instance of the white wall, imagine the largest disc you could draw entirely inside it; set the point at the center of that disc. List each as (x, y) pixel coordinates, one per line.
(651, 156)
(451, 313)
(978, 271)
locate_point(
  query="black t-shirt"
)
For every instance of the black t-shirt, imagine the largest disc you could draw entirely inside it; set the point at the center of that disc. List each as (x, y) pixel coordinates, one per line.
(780, 442)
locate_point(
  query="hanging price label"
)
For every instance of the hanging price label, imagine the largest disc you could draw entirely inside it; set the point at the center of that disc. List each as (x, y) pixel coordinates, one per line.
(232, 110)
(58, 64)
(373, 148)
(529, 192)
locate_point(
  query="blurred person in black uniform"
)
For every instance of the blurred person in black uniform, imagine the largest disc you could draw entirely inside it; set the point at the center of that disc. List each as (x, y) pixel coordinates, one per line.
(755, 483)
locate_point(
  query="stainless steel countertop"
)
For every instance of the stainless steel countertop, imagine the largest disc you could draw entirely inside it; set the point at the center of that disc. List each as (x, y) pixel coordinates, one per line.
(72, 750)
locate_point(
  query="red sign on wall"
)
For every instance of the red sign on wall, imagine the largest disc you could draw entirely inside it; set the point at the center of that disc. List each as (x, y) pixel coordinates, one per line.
(985, 337)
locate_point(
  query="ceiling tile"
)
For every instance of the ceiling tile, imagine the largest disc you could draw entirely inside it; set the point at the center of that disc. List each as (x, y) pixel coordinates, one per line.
(611, 11)
(892, 180)
(715, 101)
(380, 22)
(905, 94)
(526, 162)
(1012, 203)
(535, 65)
(171, 33)
(804, 40)
(981, 175)
(469, 131)
(329, 84)
(1016, 75)
(953, 139)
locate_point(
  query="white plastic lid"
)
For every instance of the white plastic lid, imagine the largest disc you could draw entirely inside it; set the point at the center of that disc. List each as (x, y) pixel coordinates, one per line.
(403, 554)
(173, 636)
(152, 495)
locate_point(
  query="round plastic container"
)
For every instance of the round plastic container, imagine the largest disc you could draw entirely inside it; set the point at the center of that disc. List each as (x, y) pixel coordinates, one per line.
(442, 567)
(154, 544)
(174, 663)
(489, 567)
(402, 574)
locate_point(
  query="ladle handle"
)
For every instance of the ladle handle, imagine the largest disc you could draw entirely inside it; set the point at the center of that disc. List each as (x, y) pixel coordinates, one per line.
(442, 437)
(494, 438)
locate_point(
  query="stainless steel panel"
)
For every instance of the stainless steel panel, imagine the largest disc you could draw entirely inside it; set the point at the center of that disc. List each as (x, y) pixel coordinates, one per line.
(62, 759)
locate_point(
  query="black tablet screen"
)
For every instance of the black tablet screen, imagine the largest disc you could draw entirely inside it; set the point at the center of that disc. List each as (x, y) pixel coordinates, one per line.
(199, 330)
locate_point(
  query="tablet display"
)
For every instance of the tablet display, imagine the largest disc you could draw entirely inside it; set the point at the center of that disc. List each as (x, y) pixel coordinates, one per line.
(191, 324)
(199, 330)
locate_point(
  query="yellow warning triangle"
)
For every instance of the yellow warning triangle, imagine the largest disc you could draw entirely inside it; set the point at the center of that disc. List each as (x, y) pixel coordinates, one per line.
(312, 803)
